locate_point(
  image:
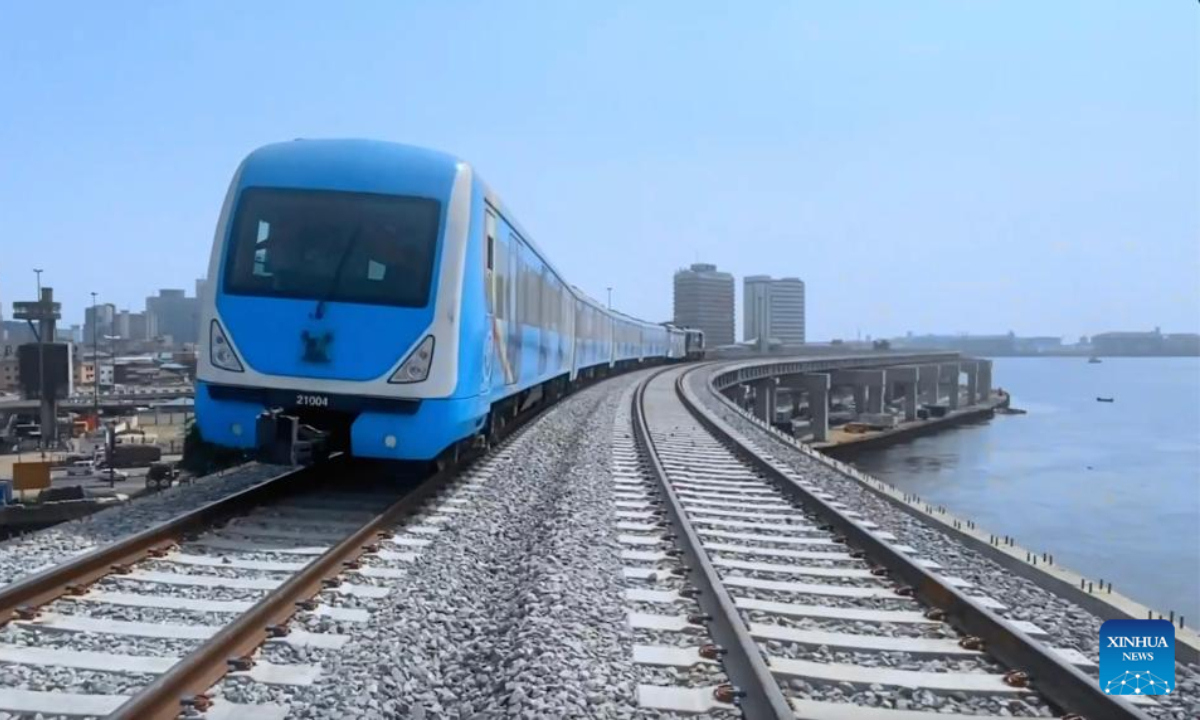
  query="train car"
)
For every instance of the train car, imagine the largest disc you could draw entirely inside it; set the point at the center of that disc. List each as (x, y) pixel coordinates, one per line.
(693, 344)
(383, 294)
(676, 342)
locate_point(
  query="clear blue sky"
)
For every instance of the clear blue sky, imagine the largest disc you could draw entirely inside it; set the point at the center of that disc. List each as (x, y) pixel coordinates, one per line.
(925, 166)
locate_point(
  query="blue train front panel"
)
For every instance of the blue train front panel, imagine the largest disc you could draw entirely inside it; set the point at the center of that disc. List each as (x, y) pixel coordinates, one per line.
(348, 290)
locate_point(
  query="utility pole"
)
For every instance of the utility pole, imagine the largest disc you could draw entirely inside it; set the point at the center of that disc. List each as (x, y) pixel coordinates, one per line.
(95, 364)
(42, 359)
(609, 298)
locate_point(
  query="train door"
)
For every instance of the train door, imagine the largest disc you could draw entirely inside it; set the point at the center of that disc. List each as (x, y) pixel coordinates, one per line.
(580, 326)
(552, 320)
(494, 340)
(531, 340)
(566, 326)
(610, 335)
(515, 317)
(543, 317)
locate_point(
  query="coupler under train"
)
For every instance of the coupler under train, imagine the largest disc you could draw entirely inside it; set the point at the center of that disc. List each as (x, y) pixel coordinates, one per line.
(284, 440)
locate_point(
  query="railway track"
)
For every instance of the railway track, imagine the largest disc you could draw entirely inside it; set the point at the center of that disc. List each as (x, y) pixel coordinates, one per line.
(155, 621)
(793, 605)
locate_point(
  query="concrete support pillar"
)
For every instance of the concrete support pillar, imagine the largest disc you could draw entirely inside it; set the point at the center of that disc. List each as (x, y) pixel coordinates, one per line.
(740, 394)
(860, 381)
(949, 376)
(789, 394)
(860, 399)
(906, 378)
(928, 383)
(971, 368)
(764, 400)
(875, 398)
(817, 386)
(985, 380)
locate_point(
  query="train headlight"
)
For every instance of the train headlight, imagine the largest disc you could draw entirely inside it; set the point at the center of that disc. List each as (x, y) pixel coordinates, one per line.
(416, 367)
(220, 352)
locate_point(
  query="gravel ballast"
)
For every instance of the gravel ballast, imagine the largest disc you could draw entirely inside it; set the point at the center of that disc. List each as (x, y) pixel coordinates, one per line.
(515, 609)
(34, 551)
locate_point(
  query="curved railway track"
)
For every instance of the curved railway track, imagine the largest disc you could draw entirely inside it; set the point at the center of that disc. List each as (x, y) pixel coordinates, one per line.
(288, 545)
(812, 610)
(317, 540)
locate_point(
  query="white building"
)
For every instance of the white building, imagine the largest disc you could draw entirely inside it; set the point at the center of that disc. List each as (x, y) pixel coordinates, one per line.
(773, 309)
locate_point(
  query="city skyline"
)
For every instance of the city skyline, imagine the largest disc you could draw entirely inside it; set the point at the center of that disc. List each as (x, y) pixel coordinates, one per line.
(78, 318)
(171, 312)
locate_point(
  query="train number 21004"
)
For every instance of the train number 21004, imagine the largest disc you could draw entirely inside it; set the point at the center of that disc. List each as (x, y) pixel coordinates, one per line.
(312, 400)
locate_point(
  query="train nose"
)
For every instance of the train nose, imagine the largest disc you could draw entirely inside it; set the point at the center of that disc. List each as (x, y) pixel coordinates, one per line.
(349, 342)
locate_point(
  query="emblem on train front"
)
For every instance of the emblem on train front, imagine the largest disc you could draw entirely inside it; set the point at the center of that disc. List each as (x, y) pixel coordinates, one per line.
(1137, 657)
(316, 346)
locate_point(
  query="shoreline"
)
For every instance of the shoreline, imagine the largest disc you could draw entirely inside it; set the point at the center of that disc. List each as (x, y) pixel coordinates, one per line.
(847, 445)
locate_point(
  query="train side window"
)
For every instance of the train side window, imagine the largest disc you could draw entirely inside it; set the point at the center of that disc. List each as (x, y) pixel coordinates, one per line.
(489, 230)
(489, 225)
(501, 279)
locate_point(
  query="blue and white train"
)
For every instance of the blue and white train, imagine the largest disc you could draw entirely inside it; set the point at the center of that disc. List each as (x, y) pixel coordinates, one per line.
(384, 294)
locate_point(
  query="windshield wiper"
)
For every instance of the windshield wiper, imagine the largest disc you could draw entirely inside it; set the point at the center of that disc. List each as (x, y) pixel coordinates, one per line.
(337, 273)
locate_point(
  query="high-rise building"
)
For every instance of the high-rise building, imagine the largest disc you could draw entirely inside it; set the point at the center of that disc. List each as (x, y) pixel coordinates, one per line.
(73, 333)
(756, 298)
(10, 373)
(174, 315)
(704, 300)
(132, 326)
(98, 322)
(773, 309)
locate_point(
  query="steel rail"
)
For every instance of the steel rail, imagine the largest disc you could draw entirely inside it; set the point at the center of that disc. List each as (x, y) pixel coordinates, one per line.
(22, 597)
(186, 682)
(183, 687)
(1056, 679)
(760, 695)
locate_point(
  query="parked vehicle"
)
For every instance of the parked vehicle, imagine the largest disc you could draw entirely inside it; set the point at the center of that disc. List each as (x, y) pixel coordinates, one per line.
(104, 473)
(83, 468)
(161, 474)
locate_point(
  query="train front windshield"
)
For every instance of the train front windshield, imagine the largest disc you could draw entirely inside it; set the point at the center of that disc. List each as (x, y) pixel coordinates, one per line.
(333, 247)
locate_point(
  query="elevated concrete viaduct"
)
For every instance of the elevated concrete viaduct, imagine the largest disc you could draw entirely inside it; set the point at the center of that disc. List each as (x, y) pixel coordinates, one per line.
(874, 379)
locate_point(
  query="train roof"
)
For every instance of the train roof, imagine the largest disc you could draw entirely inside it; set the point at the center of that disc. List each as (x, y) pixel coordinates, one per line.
(351, 166)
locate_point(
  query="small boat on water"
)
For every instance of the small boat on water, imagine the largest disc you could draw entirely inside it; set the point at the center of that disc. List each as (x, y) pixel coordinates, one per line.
(1100, 399)
(1093, 360)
